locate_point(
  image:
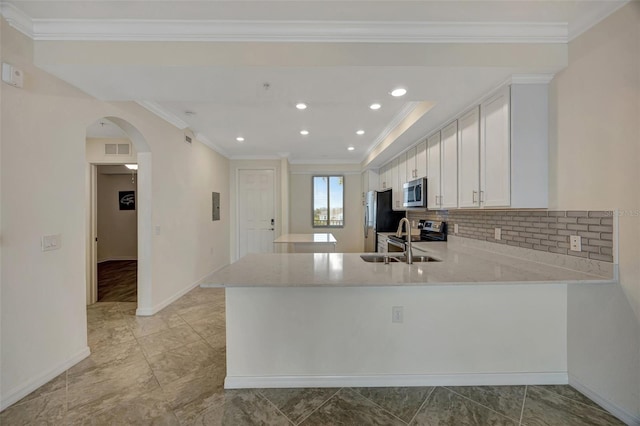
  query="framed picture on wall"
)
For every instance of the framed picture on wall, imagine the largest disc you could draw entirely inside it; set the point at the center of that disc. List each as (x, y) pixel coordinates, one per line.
(127, 200)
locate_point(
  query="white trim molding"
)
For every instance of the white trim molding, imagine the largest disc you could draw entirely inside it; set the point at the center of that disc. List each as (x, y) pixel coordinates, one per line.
(395, 122)
(16, 394)
(612, 408)
(391, 380)
(17, 18)
(161, 112)
(206, 141)
(298, 31)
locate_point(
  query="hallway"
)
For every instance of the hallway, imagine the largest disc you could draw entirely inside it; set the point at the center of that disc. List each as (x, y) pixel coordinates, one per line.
(118, 281)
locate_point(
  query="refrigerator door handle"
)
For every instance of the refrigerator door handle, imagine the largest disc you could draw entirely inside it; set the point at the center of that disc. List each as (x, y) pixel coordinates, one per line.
(366, 220)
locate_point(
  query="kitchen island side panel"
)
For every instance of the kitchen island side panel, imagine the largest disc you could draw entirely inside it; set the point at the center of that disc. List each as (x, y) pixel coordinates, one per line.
(344, 333)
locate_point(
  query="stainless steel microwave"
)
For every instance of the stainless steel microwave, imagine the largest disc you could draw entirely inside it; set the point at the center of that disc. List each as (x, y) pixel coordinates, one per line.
(414, 193)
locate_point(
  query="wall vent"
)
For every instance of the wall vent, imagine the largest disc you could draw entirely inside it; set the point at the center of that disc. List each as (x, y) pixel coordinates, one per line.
(188, 136)
(117, 149)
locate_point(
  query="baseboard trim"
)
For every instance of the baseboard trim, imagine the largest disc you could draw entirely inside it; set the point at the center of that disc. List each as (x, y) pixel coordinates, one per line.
(391, 380)
(612, 408)
(111, 259)
(25, 389)
(145, 312)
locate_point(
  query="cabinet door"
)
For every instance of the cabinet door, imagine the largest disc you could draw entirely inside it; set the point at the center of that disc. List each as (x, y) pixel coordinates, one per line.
(449, 167)
(411, 164)
(421, 160)
(397, 193)
(495, 158)
(383, 177)
(433, 171)
(469, 159)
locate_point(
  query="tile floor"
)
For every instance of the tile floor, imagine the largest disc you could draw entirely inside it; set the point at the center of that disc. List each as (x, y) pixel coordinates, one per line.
(169, 370)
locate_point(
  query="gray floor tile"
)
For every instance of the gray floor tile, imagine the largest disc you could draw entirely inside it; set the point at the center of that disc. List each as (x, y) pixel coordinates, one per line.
(446, 408)
(46, 409)
(144, 326)
(546, 408)
(190, 396)
(125, 409)
(166, 340)
(505, 400)
(350, 408)
(114, 354)
(297, 404)
(56, 384)
(110, 381)
(240, 407)
(109, 333)
(184, 362)
(571, 393)
(192, 314)
(403, 402)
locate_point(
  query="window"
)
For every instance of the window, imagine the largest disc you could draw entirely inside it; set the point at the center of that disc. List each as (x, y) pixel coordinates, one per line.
(328, 201)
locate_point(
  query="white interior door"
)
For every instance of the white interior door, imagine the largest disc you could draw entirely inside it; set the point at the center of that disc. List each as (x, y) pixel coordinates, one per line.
(256, 211)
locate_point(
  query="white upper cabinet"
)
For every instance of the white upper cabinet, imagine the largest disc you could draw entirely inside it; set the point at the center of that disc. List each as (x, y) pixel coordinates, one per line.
(421, 160)
(384, 177)
(449, 167)
(433, 171)
(411, 164)
(469, 159)
(396, 186)
(495, 163)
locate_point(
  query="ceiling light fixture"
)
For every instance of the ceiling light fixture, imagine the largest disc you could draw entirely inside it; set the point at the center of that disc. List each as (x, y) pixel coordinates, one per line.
(131, 166)
(360, 132)
(304, 132)
(350, 148)
(240, 139)
(398, 92)
(375, 106)
(301, 105)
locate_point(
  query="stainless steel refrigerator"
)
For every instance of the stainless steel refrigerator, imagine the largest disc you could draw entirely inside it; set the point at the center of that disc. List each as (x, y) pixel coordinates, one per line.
(379, 217)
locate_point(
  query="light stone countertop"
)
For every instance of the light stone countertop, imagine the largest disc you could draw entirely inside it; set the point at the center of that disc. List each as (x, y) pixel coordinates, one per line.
(459, 266)
(306, 238)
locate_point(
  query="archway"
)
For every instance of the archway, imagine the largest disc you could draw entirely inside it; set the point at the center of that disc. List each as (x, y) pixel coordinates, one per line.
(143, 206)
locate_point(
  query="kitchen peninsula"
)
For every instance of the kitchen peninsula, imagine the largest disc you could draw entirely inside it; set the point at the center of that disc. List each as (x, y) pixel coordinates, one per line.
(319, 242)
(331, 319)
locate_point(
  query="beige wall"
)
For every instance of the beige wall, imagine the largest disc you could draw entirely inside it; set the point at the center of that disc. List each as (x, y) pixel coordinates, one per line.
(43, 309)
(117, 229)
(594, 165)
(350, 237)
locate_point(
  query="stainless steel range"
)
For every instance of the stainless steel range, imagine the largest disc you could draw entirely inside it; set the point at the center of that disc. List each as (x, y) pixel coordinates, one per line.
(430, 230)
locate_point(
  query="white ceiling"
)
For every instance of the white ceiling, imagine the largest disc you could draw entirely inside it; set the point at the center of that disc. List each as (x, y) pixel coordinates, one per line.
(338, 83)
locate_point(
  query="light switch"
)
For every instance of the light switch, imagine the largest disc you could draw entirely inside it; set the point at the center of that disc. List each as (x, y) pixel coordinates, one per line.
(51, 242)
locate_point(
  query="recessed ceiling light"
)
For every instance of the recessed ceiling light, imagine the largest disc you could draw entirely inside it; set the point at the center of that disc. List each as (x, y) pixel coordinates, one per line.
(131, 166)
(360, 132)
(351, 148)
(304, 132)
(301, 105)
(375, 106)
(240, 139)
(398, 92)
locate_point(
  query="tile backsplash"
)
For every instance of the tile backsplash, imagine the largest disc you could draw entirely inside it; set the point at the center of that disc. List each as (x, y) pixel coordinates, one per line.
(547, 231)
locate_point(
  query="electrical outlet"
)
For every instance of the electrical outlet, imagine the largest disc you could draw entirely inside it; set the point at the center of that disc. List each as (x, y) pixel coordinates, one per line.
(397, 314)
(497, 233)
(576, 242)
(455, 228)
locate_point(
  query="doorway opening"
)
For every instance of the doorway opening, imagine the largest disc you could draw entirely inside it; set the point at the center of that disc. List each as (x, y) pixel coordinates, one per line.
(118, 215)
(117, 233)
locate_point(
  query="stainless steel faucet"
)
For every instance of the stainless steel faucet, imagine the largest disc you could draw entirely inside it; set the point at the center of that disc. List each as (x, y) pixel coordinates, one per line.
(407, 245)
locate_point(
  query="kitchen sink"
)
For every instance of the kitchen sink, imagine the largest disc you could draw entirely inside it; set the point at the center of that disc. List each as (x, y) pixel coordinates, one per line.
(379, 258)
(417, 259)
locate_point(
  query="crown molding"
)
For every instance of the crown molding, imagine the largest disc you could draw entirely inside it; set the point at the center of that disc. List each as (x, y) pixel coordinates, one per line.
(531, 78)
(164, 114)
(322, 161)
(255, 157)
(17, 18)
(395, 122)
(585, 22)
(284, 31)
(206, 141)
